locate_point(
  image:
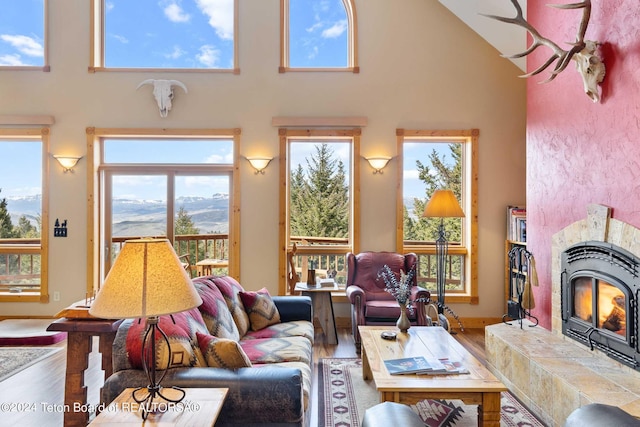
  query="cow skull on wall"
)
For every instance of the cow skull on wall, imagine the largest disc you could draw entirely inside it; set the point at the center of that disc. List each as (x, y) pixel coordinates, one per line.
(163, 93)
(588, 64)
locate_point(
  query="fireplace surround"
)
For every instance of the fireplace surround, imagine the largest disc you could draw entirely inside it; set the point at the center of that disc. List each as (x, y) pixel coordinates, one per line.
(552, 373)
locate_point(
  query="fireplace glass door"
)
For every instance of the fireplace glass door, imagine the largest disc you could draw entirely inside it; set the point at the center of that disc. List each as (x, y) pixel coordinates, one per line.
(607, 305)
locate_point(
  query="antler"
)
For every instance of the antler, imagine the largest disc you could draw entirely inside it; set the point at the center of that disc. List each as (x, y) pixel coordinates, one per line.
(562, 56)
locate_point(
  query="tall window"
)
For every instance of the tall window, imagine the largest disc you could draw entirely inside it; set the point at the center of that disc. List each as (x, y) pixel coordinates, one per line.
(318, 209)
(433, 160)
(318, 35)
(180, 185)
(164, 34)
(23, 35)
(23, 214)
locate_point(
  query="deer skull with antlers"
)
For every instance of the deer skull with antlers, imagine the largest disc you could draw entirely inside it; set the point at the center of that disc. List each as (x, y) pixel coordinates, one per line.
(588, 64)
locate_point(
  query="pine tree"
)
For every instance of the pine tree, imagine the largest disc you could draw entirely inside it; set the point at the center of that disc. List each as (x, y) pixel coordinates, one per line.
(320, 198)
(6, 227)
(25, 229)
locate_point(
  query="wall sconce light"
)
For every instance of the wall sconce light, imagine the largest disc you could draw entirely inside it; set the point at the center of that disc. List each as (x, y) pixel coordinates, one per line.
(378, 163)
(67, 162)
(259, 163)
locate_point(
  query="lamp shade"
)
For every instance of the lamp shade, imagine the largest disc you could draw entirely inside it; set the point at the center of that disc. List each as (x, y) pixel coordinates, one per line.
(146, 280)
(443, 204)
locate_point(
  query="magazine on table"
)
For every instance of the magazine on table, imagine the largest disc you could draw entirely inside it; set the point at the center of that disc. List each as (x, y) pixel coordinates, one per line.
(413, 365)
(450, 366)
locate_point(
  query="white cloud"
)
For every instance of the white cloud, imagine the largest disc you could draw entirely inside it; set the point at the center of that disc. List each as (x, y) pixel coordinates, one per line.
(175, 13)
(11, 60)
(313, 52)
(217, 158)
(121, 39)
(176, 53)
(208, 55)
(314, 27)
(220, 13)
(24, 44)
(109, 5)
(336, 30)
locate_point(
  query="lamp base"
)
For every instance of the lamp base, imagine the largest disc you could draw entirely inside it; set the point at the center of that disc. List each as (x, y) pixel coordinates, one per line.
(152, 400)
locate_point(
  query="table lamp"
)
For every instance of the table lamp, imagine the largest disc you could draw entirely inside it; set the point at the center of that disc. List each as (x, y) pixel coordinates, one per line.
(147, 280)
(443, 204)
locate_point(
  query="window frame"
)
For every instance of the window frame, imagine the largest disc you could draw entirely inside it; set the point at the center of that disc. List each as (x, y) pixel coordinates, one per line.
(96, 202)
(45, 67)
(469, 205)
(286, 136)
(352, 41)
(34, 134)
(97, 46)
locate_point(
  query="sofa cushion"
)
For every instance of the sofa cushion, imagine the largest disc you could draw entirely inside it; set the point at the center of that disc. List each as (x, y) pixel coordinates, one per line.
(214, 310)
(260, 308)
(222, 352)
(294, 328)
(275, 350)
(229, 288)
(183, 341)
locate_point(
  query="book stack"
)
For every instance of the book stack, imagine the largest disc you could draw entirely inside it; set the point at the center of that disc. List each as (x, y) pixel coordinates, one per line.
(422, 366)
(517, 223)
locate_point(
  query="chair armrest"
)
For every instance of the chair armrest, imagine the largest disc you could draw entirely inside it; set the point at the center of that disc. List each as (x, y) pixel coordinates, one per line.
(354, 292)
(293, 307)
(418, 292)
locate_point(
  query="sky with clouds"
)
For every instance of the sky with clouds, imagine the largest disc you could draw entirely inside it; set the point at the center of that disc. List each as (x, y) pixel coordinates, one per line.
(185, 34)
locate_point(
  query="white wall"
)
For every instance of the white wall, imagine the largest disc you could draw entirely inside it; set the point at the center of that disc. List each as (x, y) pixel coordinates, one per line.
(420, 68)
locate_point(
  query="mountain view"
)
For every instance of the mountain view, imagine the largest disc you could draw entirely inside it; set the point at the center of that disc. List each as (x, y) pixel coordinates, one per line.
(143, 217)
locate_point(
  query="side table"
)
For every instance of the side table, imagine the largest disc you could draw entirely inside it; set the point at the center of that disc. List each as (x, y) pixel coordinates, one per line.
(200, 407)
(79, 339)
(322, 307)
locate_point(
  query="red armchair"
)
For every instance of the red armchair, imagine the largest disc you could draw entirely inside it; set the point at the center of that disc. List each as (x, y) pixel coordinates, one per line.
(371, 304)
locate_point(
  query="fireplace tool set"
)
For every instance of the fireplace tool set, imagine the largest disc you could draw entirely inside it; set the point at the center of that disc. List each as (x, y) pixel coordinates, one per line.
(521, 271)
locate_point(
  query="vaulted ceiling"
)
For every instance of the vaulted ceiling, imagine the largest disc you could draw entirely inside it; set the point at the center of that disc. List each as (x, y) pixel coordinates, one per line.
(507, 39)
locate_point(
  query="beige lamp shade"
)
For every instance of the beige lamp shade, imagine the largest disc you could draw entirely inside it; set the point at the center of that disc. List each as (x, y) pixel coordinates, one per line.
(443, 204)
(146, 280)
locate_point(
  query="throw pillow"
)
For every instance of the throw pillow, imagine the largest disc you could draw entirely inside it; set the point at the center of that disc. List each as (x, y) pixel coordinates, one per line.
(222, 352)
(261, 309)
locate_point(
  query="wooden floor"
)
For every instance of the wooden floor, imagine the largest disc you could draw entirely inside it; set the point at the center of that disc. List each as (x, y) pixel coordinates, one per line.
(43, 383)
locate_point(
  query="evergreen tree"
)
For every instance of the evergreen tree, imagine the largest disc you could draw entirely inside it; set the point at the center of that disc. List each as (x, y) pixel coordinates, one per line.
(436, 175)
(320, 198)
(184, 225)
(25, 229)
(6, 227)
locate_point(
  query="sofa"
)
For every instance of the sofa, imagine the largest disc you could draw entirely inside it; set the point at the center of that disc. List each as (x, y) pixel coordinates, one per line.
(258, 346)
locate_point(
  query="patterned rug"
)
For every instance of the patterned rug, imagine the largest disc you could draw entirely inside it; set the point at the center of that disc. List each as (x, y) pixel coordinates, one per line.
(15, 359)
(344, 396)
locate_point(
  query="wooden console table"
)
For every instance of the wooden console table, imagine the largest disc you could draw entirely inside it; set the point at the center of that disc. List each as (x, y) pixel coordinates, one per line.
(80, 332)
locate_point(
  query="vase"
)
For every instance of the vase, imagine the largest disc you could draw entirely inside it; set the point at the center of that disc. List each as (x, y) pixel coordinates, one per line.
(403, 322)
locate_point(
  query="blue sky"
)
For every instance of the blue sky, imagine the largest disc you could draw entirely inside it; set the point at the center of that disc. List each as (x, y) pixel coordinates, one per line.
(179, 34)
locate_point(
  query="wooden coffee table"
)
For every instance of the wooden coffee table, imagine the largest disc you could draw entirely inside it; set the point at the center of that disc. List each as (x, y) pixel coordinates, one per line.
(478, 387)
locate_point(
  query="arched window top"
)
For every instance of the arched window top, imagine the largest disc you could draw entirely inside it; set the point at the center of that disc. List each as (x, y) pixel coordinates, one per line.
(318, 35)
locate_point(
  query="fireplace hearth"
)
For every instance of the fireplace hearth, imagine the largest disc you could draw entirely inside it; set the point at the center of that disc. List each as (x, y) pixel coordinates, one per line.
(600, 285)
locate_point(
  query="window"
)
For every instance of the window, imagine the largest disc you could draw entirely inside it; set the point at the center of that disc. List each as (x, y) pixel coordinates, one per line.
(318, 210)
(432, 160)
(164, 34)
(23, 35)
(318, 35)
(180, 185)
(23, 214)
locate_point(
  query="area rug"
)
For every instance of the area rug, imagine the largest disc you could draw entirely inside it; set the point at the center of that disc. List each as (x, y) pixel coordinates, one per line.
(15, 332)
(15, 359)
(344, 396)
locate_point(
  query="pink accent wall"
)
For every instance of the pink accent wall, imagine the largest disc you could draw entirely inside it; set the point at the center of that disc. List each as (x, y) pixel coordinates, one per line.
(579, 152)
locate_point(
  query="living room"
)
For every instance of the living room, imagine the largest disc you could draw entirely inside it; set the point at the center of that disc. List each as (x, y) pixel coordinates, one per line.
(420, 67)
